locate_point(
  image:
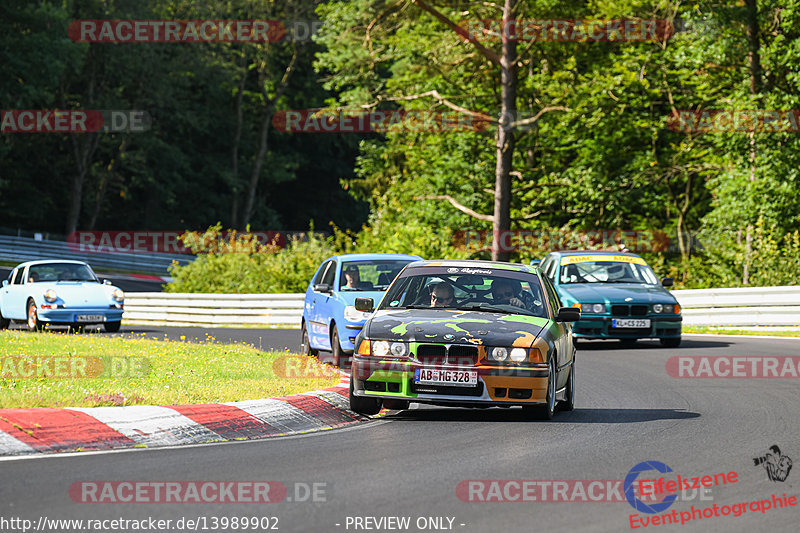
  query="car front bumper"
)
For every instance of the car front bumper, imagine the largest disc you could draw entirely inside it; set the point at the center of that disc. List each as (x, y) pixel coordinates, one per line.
(599, 327)
(70, 315)
(508, 385)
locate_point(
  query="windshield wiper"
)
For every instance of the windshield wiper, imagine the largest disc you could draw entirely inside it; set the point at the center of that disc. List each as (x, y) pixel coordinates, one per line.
(481, 306)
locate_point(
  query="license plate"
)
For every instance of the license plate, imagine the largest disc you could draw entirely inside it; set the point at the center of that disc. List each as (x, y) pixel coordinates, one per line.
(90, 318)
(630, 323)
(437, 376)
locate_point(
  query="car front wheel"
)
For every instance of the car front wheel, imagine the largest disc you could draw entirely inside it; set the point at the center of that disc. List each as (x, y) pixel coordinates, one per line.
(336, 348)
(568, 403)
(363, 406)
(305, 346)
(546, 410)
(112, 327)
(33, 317)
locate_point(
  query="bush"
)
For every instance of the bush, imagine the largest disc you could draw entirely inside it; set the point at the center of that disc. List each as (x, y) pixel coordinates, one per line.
(236, 263)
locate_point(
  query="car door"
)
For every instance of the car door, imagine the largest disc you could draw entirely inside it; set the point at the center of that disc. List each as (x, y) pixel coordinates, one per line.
(14, 299)
(564, 341)
(323, 308)
(310, 304)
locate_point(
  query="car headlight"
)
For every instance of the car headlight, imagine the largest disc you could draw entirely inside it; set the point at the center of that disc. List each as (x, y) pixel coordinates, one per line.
(50, 295)
(499, 354)
(380, 348)
(518, 354)
(668, 308)
(658, 308)
(354, 315)
(398, 349)
(590, 308)
(118, 295)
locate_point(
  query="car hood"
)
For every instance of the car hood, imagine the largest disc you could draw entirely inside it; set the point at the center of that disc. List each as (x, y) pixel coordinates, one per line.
(75, 292)
(615, 293)
(453, 326)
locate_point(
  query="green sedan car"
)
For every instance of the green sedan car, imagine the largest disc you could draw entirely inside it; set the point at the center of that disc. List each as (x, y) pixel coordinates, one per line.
(618, 294)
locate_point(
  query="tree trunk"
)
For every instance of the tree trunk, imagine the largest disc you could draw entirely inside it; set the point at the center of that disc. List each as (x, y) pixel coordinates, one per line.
(754, 64)
(505, 139)
(237, 137)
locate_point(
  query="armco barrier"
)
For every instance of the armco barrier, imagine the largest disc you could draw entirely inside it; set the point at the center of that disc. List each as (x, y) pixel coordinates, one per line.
(19, 249)
(750, 306)
(746, 306)
(176, 309)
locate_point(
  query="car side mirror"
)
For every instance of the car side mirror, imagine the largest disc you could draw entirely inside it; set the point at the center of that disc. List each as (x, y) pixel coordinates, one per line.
(365, 304)
(322, 287)
(106, 282)
(5, 282)
(667, 281)
(535, 262)
(568, 314)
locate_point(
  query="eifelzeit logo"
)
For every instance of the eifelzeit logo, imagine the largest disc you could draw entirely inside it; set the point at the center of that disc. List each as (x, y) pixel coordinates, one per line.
(775, 463)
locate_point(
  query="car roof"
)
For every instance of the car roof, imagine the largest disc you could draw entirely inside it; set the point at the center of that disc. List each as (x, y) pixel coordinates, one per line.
(47, 261)
(595, 252)
(373, 257)
(466, 263)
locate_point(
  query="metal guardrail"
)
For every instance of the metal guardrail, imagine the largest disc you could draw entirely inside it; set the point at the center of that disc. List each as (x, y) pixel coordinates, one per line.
(746, 306)
(19, 249)
(752, 306)
(210, 310)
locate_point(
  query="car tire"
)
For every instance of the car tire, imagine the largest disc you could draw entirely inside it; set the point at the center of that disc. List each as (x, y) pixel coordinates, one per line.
(4, 322)
(113, 327)
(546, 410)
(336, 348)
(363, 406)
(568, 403)
(305, 342)
(673, 342)
(33, 322)
(396, 405)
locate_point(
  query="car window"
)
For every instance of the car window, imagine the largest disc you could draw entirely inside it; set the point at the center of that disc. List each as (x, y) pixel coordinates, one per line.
(330, 274)
(15, 276)
(598, 269)
(555, 301)
(60, 272)
(490, 289)
(370, 275)
(320, 273)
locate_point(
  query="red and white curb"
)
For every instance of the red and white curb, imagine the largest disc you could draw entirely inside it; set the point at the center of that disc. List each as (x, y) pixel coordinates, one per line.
(44, 430)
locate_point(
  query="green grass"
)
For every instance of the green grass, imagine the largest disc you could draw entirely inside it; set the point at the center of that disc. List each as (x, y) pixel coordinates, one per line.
(164, 372)
(722, 331)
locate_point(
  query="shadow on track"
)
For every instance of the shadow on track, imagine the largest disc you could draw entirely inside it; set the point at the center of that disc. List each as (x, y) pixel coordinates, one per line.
(578, 416)
(613, 344)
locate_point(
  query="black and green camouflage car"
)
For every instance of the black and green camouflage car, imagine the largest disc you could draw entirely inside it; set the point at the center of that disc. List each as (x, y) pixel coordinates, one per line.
(466, 333)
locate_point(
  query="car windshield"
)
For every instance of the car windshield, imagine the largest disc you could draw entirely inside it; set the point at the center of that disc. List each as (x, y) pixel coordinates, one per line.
(60, 272)
(492, 290)
(632, 270)
(369, 275)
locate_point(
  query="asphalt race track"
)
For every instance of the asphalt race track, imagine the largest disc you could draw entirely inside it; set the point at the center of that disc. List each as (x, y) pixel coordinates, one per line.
(410, 463)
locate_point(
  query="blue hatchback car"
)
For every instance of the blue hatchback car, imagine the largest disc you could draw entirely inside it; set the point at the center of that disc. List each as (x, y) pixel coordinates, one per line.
(59, 293)
(619, 295)
(330, 319)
